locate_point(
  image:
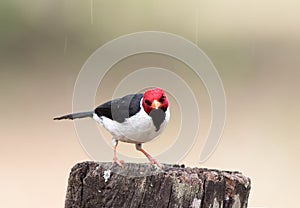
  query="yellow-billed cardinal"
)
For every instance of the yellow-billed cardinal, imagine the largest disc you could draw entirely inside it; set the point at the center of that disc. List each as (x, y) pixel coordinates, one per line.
(134, 118)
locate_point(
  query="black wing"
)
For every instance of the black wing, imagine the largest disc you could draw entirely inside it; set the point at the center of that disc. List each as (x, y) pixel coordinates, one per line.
(121, 108)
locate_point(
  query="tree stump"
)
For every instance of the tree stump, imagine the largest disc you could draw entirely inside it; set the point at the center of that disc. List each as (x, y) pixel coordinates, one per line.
(96, 185)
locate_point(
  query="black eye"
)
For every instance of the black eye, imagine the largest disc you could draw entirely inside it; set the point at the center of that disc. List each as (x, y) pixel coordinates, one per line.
(162, 98)
(148, 102)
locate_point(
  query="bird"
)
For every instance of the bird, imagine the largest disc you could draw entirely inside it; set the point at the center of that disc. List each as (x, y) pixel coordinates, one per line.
(134, 118)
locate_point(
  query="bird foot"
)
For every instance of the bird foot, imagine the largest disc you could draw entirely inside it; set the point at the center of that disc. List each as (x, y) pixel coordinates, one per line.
(119, 162)
(155, 162)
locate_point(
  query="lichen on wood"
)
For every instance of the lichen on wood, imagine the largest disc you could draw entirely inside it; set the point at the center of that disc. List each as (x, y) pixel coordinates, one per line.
(94, 184)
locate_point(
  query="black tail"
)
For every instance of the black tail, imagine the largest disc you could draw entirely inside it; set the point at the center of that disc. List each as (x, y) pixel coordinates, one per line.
(76, 115)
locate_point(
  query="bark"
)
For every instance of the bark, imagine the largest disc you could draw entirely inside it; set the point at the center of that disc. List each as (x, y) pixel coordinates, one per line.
(95, 185)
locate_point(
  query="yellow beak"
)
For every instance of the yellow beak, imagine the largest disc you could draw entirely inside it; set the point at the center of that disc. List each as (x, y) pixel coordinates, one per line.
(156, 104)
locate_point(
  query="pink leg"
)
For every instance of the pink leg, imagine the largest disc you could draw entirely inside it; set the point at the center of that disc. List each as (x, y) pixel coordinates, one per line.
(150, 158)
(115, 159)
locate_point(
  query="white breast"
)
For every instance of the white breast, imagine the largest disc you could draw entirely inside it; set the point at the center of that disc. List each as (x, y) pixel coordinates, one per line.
(136, 129)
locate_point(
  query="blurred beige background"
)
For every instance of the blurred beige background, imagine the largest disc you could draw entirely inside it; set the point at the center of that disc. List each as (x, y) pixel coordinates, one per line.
(255, 47)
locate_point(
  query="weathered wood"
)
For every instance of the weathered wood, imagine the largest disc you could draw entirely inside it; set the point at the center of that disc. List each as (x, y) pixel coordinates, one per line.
(95, 185)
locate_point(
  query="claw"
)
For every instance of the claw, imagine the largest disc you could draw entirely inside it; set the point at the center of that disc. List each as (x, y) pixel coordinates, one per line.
(119, 162)
(155, 162)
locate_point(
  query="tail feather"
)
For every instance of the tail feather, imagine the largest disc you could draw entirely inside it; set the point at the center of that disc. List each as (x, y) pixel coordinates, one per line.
(76, 115)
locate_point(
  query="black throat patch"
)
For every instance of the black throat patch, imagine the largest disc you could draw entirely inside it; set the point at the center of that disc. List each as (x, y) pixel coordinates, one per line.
(158, 116)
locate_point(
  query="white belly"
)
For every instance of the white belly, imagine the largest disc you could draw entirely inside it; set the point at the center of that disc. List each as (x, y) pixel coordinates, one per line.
(136, 129)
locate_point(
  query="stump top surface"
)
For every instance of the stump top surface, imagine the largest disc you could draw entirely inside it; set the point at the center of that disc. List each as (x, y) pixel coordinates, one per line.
(103, 184)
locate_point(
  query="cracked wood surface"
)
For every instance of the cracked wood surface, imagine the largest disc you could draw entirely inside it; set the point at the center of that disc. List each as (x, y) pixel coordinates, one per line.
(93, 185)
